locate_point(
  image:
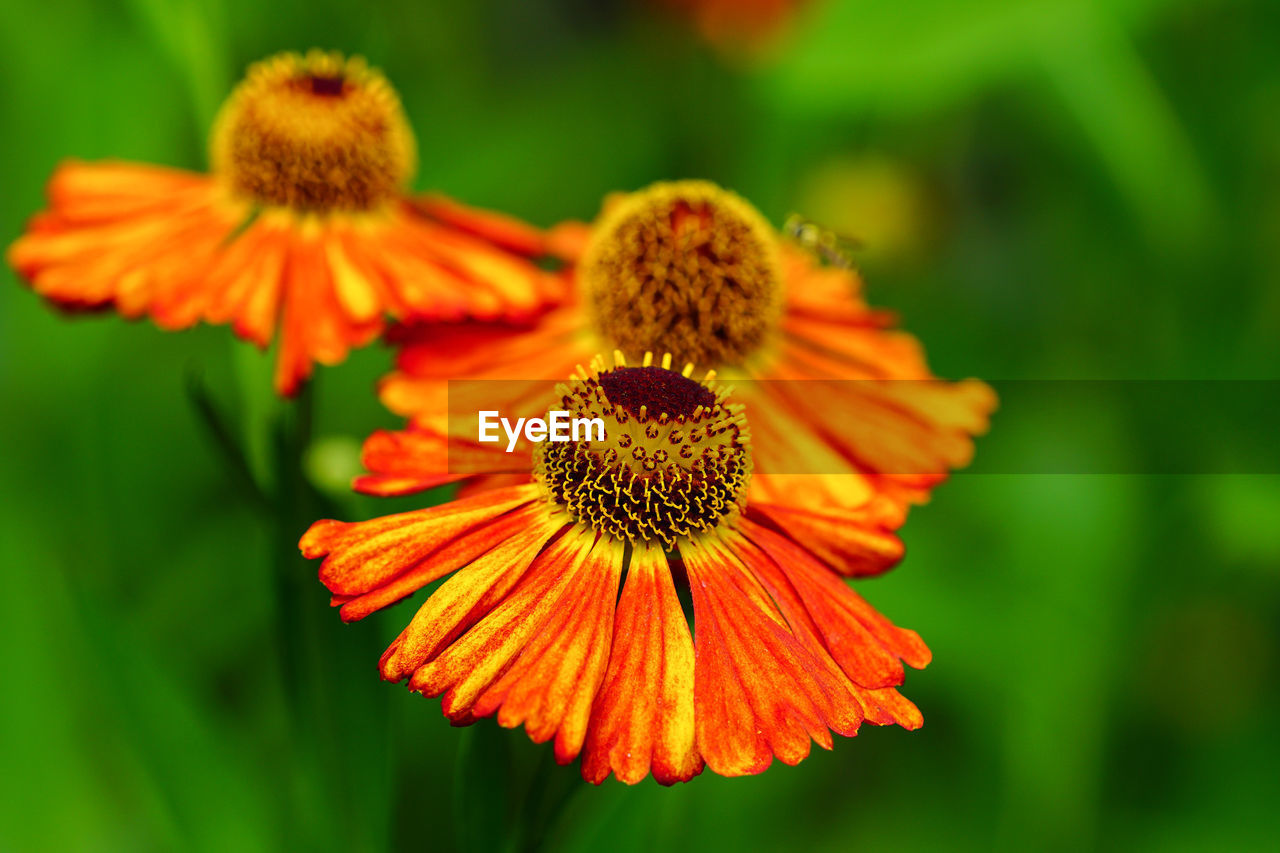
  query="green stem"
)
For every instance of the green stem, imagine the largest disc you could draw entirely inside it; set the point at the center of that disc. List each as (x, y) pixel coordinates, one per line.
(337, 716)
(551, 789)
(260, 410)
(318, 779)
(487, 814)
(293, 511)
(225, 441)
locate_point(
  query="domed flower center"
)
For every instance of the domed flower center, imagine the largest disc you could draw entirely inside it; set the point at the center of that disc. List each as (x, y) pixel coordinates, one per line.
(315, 132)
(675, 458)
(685, 268)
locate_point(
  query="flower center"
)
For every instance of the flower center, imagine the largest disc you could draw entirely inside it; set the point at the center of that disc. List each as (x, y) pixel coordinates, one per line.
(676, 457)
(685, 268)
(315, 132)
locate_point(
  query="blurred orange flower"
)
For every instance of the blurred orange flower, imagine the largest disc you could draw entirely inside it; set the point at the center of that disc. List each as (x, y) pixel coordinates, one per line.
(303, 228)
(851, 426)
(738, 24)
(530, 625)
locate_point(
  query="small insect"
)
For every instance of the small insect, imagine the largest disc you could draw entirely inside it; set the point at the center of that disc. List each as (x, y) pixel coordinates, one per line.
(836, 249)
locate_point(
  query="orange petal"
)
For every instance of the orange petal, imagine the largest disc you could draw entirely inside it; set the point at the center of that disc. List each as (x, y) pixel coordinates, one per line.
(539, 657)
(568, 240)
(855, 543)
(505, 231)
(814, 290)
(460, 552)
(357, 290)
(643, 717)
(443, 261)
(245, 287)
(501, 361)
(848, 623)
(125, 235)
(790, 450)
(888, 707)
(361, 556)
(465, 598)
(415, 459)
(859, 654)
(760, 692)
(304, 328)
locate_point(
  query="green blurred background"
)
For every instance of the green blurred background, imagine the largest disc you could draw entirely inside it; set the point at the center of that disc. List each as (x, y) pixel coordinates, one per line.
(1046, 190)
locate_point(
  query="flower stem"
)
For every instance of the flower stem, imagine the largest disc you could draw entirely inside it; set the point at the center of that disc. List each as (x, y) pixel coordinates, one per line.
(487, 815)
(336, 769)
(551, 789)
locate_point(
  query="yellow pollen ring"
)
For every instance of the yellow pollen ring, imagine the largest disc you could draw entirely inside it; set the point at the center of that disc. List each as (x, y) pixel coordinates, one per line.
(675, 460)
(318, 132)
(684, 267)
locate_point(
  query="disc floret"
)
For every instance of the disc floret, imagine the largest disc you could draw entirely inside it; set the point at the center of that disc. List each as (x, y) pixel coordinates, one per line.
(675, 459)
(684, 267)
(318, 132)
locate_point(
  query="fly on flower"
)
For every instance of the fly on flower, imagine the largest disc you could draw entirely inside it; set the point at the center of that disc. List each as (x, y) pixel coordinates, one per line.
(530, 625)
(689, 268)
(303, 231)
(836, 249)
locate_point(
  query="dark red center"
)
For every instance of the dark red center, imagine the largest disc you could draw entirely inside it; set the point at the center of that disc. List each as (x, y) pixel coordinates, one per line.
(658, 389)
(327, 86)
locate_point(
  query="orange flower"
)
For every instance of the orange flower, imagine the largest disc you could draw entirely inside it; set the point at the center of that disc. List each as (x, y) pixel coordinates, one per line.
(850, 426)
(303, 226)
(530, 625)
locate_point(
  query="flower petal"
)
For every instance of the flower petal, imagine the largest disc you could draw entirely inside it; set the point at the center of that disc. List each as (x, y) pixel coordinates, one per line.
(363, 556)
(539, 657)
(179, 247)
(498, 361)
(856, 543)
(466, 597)
(888, 707)
(497, 228)
(759, 691)
(125, 235)
(643, 717)
(858, 636)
